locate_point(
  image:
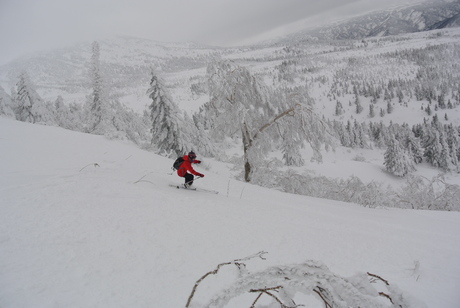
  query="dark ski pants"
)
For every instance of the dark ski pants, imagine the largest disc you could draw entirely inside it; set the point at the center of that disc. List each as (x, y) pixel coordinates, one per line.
(188, 178)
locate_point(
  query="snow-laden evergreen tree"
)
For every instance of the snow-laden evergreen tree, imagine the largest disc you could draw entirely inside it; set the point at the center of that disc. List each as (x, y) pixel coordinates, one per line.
(428, 110)
(359, 107)
(400, 95)
(25, 98)
(77, 119)
(350, 130)
(62, 113)
(371, 111)
(415, 150)
(6, 104)
(198, 137)
(389, 107)
(29, 106)
(396, 160)
(433, 147)
(240, 103)
(98, 113)
(386, 95)
(445, 160)
(166, 121)
(359, 135)
(338, 109)
(290, 148)
(342, 133)
(128, 124)
(453, 141)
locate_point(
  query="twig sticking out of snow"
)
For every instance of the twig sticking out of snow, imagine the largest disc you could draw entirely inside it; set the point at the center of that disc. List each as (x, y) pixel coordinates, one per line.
(94, 164)
(141, 179)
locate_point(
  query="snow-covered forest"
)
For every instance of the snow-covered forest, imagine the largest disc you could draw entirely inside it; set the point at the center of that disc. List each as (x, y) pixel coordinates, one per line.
(368, 125)
(284, 107)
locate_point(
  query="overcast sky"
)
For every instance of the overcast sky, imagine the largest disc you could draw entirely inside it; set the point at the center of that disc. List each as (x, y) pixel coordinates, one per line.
(31, 25)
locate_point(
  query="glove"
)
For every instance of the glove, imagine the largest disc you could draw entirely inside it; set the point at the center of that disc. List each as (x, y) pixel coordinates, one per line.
(197, 161)
(201, 175)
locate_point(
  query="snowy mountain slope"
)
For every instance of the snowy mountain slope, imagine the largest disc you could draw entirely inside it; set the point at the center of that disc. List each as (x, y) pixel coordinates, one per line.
(452, 22)
(76, 234)
(126, 62)
(424, 16)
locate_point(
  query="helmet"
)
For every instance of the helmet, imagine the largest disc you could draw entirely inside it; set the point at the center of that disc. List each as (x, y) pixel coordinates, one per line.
(192, 155)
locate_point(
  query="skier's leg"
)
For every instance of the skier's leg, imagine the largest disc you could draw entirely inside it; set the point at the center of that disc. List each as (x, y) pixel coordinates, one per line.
(188, 179)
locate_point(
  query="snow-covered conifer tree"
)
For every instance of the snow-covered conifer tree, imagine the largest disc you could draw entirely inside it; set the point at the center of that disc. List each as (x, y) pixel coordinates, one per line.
(433, 147)
(338, 108)
(98, 117)
(386, 95)
(166, 121)
(389, 107)
(77, 117)
(341, 132)
(453, 140)
(127, 123)
(445, 160)
(400, 95)
(198, 137)
(29, 105)
(350, 129)
(415, 150)
(396, 160)
(359, 107)
(61, 113)
(24, 99)
(291, 149)
(359, 135)
(371, 111)
(6, 104)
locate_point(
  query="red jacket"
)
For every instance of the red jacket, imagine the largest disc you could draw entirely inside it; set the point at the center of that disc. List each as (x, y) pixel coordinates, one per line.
(187, 166)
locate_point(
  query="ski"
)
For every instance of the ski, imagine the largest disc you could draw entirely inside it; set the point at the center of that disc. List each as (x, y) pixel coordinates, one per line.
(194, 188)
(182, 187)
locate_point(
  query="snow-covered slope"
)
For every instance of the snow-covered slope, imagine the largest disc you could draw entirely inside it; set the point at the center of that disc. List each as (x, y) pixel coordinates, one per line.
(126, 62)
(427, 15)
(89, 222)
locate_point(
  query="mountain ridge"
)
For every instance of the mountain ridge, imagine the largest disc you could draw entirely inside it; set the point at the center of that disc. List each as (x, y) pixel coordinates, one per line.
(419, 17)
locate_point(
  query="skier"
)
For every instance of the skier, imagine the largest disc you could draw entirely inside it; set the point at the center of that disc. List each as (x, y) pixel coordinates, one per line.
(186, 170)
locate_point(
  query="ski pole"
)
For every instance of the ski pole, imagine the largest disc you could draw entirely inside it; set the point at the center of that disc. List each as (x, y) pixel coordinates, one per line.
(197, 178)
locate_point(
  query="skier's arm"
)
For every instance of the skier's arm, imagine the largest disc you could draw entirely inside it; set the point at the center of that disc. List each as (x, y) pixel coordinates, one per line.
(192, 171)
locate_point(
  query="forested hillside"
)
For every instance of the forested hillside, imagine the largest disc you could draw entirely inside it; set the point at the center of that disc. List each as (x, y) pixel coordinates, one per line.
(276, 106)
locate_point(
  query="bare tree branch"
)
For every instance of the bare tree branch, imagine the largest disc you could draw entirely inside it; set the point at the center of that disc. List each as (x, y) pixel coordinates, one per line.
(216, 270)
(289, 112)
(266, 291)
(378, 277)
(387, 296)
(320, 291)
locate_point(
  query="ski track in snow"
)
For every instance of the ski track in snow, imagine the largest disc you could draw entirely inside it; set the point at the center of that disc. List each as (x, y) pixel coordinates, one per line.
(73, 234)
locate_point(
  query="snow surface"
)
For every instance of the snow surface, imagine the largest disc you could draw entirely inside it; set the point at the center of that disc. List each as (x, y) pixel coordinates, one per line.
(115, 234)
